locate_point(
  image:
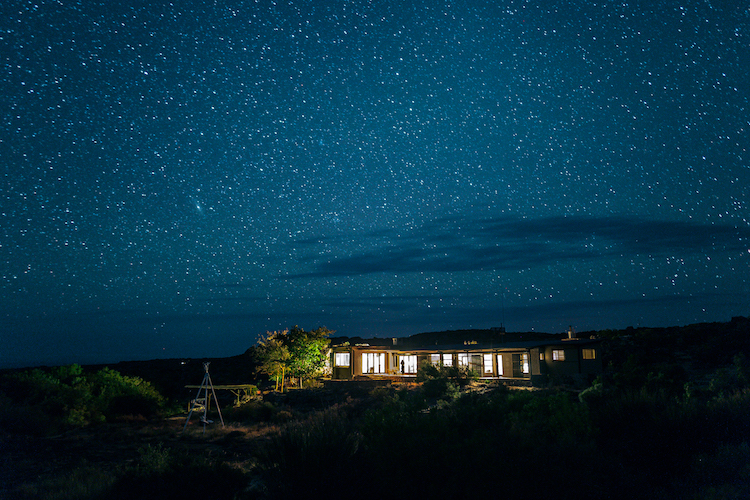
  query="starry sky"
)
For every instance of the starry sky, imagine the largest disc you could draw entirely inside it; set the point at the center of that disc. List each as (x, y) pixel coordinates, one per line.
(179, 177)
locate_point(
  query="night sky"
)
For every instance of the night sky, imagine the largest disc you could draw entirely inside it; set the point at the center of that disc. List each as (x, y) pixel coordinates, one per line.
(178, 178)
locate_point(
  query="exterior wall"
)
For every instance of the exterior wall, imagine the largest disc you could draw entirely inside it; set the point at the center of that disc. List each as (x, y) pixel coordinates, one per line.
(341, 372)
(534, 364)
(356, 362)
(540, 367)
(574, 363)
(507, 364)
(390, 364)
(567, 367)
(592, 366)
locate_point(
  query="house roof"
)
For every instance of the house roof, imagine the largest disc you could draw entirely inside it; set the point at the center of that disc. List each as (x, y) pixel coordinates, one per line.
(469, 346)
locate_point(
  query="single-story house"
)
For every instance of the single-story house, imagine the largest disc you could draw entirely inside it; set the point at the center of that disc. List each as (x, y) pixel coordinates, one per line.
(522, 362)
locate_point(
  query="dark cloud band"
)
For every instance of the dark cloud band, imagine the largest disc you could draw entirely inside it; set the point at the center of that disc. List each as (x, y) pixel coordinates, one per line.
(464, 244)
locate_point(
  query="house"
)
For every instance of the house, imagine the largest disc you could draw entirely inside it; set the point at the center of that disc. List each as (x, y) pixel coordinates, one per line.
(514, 359)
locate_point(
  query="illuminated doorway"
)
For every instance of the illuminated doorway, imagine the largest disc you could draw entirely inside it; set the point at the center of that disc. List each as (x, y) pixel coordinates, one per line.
(488, 371)
(373, 362)
(407, 364)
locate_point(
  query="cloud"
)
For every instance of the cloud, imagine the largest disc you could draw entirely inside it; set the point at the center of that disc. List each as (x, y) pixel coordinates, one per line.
(465, 244)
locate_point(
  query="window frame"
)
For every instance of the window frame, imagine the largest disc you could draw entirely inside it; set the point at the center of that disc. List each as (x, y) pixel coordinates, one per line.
(463, 359)
(410, 363)
(447, 357)
(487, 362)
(558, 354)
(340, 364)
(378, 361)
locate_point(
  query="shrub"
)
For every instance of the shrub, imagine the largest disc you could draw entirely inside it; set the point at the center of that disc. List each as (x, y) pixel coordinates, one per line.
(154, 458)
(66, 397)
(117, 394)
(295, 460)
(254, 411)
(440, 388)
(84, 482)
(729, 379)
(443, 382)
(723, 474)
(162, 473)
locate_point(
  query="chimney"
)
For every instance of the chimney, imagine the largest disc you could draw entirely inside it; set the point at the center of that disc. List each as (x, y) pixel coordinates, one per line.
(571, 333)
(395, 340)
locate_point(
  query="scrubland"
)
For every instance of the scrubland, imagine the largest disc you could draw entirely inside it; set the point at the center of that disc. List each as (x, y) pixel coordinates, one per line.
(668, 419)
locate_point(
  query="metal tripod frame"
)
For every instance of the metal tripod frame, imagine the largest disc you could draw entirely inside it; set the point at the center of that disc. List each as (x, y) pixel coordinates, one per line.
(204, 402)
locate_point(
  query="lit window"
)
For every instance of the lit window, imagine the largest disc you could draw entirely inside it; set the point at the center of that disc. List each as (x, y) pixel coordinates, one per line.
(589, 354)
(341, 359)
(463, 359)
(408, 364)
(488, 364)
(519, 363)
(435, 359)
(373, 362)
(500, 364)
(558, 354)
(541, 356)
(447, 359)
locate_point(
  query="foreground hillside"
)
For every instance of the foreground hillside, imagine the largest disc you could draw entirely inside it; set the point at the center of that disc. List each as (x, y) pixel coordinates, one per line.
(668, 419)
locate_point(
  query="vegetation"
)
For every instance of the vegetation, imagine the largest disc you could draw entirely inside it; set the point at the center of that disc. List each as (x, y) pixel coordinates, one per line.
(444, 382)
(652, 426)
(633, 444)
(162, 473)
(157, 473)
(273, 357)
(295, 353)
(49, 401)
(668, 419)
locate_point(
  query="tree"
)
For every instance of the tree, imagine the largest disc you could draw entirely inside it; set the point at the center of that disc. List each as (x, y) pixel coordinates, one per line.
(308, 352)
(273, 356)
(296, 353)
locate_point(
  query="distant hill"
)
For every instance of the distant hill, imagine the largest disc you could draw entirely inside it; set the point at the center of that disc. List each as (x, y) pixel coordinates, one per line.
(699, 347)
(483, 336)
(170, 376)
(702, 346)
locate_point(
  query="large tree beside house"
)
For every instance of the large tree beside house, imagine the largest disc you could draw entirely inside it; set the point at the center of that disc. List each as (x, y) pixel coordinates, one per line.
(293, 353)
(272, 356)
